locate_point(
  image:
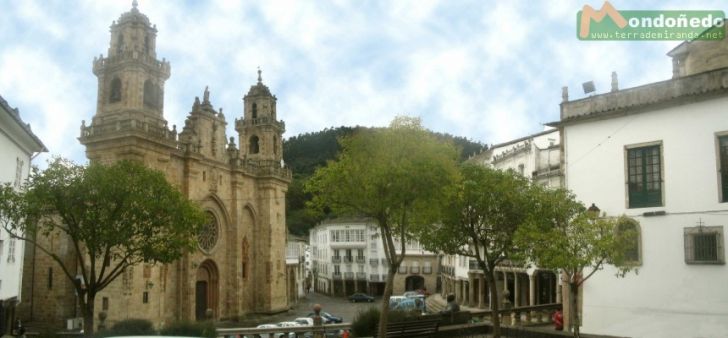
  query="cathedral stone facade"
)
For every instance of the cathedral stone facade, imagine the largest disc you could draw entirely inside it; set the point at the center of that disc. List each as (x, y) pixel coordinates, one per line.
(239, 266)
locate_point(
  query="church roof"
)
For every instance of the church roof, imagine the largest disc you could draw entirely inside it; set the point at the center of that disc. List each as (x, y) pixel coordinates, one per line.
(259, 89)
(15, 115)
(134, 16)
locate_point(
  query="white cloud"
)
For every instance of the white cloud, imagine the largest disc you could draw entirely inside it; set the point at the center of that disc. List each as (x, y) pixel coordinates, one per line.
(486, 71)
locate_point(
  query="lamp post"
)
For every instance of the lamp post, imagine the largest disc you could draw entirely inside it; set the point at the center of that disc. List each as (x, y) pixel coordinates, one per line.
(593, 211)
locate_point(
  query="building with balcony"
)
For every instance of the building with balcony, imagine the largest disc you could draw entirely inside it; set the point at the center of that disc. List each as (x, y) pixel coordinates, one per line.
(348, 256)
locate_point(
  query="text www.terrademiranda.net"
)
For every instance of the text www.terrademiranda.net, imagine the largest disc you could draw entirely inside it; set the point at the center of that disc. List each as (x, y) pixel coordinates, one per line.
(657, 35)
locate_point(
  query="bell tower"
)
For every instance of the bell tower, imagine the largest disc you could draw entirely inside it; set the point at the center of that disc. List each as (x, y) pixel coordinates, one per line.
(130, 97)
(131, 77)
(259, 131)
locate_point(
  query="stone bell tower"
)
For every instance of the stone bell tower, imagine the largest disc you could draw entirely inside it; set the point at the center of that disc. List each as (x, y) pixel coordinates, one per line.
(130, 88)
(259, 131)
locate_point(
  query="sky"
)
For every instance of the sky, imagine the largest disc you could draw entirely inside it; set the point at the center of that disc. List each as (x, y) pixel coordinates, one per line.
(490, 71)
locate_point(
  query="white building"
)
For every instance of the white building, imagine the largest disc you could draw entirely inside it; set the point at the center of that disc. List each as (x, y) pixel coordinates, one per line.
(348, 256)
(658, 153)
(536, 156)
(297, 276)
(18, 146)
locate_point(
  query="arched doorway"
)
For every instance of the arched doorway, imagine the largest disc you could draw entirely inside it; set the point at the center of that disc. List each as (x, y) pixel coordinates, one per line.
(412, 283)
(206, 289)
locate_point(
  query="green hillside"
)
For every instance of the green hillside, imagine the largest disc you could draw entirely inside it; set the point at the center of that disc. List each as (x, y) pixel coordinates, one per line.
(305, 152)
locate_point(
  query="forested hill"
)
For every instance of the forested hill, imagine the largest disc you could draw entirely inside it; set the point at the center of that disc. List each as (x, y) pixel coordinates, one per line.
(305, 152)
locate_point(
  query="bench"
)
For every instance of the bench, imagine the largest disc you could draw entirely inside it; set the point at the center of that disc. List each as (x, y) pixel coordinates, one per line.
(425, 326)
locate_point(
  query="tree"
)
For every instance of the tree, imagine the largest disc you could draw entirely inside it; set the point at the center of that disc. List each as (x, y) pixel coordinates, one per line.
(483, 212)
(115, 217)
(396, 176)
(564, 236)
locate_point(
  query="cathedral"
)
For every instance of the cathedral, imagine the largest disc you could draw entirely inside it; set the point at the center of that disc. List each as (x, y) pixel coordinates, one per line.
(239, 265)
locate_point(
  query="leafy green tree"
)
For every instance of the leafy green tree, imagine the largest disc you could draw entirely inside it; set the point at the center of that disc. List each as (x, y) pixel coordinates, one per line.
(562, 235)
(481, 217)
(397, 177)
(115, 217)
(305, 153)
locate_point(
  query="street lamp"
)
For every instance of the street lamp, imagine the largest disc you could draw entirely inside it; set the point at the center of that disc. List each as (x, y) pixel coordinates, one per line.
(593, 211)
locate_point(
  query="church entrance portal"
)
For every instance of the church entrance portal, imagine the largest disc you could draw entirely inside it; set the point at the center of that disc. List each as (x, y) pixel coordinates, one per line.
(206, 290)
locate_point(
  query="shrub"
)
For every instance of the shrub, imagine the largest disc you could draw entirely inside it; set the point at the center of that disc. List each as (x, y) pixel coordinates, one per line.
(189, 329)
(129, 327)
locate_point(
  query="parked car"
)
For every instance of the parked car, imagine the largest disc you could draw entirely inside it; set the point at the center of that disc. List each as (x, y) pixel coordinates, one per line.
(411, 294)
(328, 318)
(270, 326)
(305, 321)
(411, 303)
(360, 297)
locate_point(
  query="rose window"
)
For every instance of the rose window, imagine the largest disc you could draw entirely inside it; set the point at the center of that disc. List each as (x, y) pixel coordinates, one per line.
(207, 236)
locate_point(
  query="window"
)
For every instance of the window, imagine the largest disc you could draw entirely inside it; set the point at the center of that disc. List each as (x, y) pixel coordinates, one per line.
(105, 303)
(644, 176)
(254, 148)
(115, 92)
(11, 250)
(18, 173)
(151, 95)
(628, 233)
(255, 110)
(723, 146)
(145, 297)
(50, 278)
(704, 245)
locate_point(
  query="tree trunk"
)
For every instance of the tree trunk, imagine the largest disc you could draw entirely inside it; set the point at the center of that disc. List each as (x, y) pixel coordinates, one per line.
(494, 315)
(88, 315)
(384, 313)
(574, 311)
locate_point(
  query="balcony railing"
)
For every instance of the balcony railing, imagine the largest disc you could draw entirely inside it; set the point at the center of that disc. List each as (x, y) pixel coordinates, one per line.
(473, 265)
(360, 259)
(337, 275)
(374, 277)
(348, 275)
(335, 259)
(361, 275)
(384, 262)
(348, 259)
(373, 261)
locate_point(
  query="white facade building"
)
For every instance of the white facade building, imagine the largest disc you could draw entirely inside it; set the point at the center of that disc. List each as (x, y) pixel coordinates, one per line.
(348, 257)
(659, 154)
(297, 275)
(18, 146)
(536, 156)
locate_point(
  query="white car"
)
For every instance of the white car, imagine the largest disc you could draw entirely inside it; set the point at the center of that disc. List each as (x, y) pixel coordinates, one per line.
(304, 321)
